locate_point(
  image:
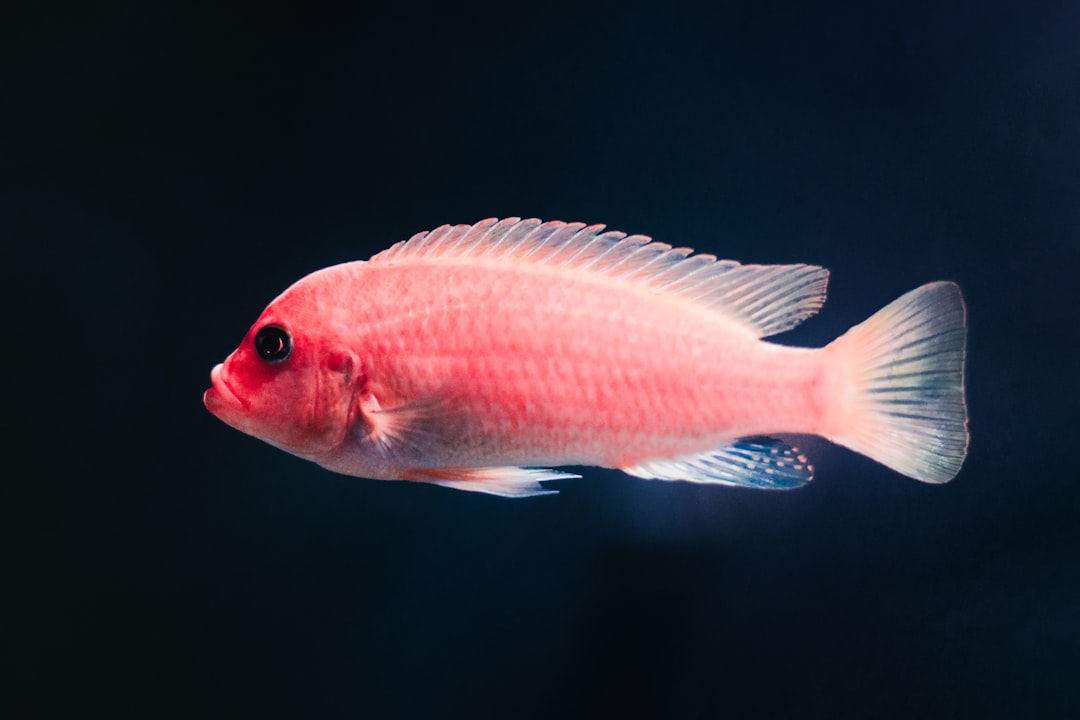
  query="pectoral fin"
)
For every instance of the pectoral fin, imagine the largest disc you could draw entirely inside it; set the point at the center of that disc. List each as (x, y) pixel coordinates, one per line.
(503, 481)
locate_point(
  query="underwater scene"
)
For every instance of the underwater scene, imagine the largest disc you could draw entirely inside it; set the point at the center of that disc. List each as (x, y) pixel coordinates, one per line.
(660, 360)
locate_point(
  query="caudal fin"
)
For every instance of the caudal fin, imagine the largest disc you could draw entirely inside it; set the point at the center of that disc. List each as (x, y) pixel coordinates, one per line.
(902, 375)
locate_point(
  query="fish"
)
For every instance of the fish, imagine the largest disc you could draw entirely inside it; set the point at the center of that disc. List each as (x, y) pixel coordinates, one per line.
(482, 357)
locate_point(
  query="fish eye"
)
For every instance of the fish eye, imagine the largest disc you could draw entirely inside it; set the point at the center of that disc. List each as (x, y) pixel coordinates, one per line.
(273, 343)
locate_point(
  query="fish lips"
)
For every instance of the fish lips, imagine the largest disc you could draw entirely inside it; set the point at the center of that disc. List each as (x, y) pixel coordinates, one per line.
(220, 399)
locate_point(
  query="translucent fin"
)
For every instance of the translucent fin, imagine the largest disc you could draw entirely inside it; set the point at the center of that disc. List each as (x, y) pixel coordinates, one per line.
(503, 481)
(766, 299)
(763, 463)
(401, 434)
(904, 373)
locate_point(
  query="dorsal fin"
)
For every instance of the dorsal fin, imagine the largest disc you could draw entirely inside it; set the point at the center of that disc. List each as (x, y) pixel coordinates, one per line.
(766, 299)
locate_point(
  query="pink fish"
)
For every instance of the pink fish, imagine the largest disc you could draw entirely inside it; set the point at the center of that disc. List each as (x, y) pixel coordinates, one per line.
(472, 355)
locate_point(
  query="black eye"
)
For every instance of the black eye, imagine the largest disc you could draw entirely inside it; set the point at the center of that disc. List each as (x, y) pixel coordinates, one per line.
(273, 344)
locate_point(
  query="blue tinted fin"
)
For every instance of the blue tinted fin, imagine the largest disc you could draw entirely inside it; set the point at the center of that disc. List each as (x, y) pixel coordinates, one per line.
(764, 463)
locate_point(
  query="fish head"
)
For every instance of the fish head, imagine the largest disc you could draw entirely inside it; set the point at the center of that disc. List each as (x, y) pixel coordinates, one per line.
(291, 382)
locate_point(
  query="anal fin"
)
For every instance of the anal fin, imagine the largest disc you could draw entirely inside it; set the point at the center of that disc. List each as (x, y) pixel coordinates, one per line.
(764, 463)
(514, 482)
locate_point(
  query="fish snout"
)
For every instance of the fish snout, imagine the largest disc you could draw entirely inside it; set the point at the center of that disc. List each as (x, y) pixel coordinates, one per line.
(220, 396)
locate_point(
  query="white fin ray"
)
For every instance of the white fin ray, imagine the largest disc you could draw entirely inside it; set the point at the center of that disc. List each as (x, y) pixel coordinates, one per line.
(762, 463)
(518, 240)
(502, 239)
(555, 239)
(905, 406)
(432, 240)
(401, 434)
(513, 482)
(766, 299)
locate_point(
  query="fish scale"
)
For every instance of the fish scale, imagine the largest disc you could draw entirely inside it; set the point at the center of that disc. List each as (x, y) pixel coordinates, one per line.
(666, 399)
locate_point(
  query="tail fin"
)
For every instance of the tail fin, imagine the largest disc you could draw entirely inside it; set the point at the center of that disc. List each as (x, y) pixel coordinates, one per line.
(903, 375)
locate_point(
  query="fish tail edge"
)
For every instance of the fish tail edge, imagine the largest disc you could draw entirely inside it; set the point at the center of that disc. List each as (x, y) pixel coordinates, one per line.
(899, 377)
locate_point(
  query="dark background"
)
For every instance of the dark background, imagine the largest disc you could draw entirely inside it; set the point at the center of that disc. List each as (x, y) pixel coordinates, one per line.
(167, 170)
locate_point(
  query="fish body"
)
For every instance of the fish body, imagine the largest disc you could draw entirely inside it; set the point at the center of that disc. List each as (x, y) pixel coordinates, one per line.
(474, 354)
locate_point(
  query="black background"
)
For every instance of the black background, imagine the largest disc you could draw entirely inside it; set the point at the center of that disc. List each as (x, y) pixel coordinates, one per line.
(167, 170)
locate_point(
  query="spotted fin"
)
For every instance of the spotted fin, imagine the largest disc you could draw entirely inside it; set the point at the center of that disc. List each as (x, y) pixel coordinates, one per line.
(764, 299)
(764, 463)
(503, 481)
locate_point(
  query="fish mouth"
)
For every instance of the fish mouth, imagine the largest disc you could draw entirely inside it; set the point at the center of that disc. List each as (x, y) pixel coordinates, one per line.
(220, 397)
